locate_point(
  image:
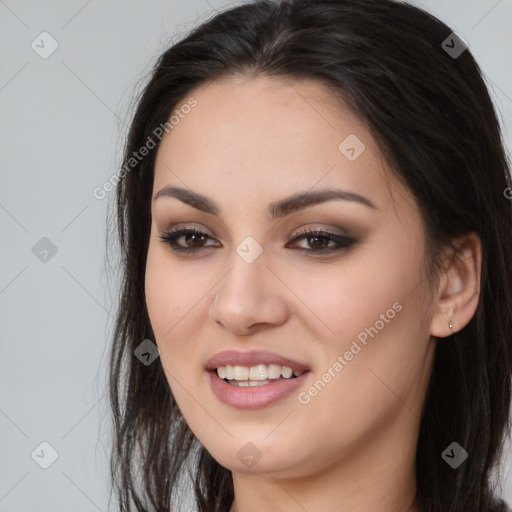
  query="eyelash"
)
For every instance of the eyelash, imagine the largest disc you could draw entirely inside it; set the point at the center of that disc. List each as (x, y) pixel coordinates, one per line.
(344, 242)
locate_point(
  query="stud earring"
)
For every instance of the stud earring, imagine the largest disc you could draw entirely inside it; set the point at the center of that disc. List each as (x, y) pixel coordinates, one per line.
(450, 326)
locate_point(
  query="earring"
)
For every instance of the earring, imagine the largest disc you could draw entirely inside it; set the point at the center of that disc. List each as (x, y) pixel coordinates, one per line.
(450, 326)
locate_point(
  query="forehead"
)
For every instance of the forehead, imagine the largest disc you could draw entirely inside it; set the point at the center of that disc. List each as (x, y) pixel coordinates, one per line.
(260, 110)
(272, 135)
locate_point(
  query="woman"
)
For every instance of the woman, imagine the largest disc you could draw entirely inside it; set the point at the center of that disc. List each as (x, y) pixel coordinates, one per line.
(317, 251)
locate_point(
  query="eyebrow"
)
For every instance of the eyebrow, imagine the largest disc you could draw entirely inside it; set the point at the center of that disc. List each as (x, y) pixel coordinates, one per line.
(276, 209)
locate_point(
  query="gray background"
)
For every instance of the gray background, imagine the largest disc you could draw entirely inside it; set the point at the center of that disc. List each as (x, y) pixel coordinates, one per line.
(63, 120)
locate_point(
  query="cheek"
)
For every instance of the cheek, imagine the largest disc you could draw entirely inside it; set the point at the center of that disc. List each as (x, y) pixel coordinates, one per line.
(369, 317)
(162, 302)
(169, 307)
(342, 300)
(173, 304)
(380, 337)
(165, 290)
(158, 299)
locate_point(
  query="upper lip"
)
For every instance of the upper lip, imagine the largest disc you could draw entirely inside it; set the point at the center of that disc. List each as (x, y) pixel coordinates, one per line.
(251, 358)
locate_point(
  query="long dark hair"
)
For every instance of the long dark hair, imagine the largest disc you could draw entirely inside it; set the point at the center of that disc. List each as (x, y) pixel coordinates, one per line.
(431, 114)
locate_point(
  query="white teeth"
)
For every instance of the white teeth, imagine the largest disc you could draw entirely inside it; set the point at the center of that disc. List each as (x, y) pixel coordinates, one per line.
(286, 372)
(246, 383)
(241, 372)
(258, 382)
(273, 371)
(229, 372)
(260, 372)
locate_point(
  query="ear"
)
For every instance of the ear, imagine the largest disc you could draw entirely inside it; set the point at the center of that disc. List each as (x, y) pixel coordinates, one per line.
(459, 286)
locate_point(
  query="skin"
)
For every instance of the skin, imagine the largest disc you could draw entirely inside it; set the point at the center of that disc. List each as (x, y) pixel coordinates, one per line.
(250, 141)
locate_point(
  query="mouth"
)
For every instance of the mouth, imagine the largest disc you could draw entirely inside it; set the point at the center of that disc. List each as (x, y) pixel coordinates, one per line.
(254, 379)
(257, 375)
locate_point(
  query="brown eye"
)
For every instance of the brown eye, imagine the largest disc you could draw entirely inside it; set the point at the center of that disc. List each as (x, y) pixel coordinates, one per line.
(193, 238)
(319, 240)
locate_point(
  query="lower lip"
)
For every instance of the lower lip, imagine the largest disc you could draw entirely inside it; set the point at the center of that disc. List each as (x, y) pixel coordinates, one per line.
(253, 397)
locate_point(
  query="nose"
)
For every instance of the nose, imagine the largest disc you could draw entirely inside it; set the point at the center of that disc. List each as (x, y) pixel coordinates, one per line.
(249, 298)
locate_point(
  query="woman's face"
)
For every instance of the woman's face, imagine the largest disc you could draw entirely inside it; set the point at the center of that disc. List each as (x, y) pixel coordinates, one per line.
(355, 312)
